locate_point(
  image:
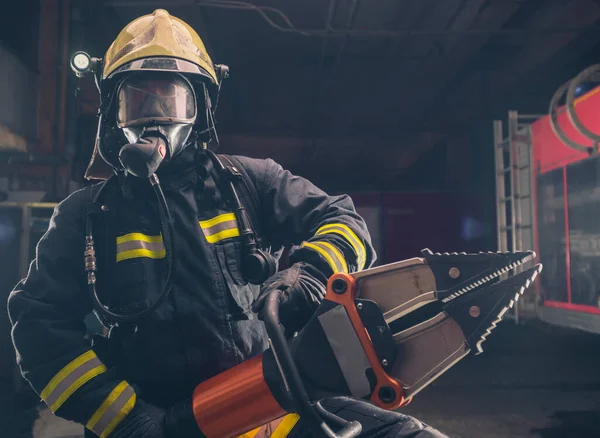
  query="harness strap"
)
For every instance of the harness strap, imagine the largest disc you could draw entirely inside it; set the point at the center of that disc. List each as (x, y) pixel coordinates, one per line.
(248, 195)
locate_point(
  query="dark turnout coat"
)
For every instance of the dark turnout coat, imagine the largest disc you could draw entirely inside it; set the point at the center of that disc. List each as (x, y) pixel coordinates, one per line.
(206, 326)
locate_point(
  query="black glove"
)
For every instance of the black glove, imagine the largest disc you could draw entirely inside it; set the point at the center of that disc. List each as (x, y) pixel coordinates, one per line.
(148, 421)
(180, 421)
(144, 421)
(302, 289)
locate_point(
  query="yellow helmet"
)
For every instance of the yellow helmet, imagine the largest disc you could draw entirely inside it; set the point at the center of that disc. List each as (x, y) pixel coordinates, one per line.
(154, 36)
(153, 42)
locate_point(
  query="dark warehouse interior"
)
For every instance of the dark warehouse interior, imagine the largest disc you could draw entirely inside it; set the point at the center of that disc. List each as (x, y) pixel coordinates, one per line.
(392, 102)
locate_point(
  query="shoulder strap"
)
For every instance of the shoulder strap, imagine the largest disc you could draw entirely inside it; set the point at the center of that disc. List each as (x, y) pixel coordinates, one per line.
(249, 195)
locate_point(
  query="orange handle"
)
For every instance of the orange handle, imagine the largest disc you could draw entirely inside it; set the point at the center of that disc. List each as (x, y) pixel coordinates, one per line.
(235, 401)
(388, 393)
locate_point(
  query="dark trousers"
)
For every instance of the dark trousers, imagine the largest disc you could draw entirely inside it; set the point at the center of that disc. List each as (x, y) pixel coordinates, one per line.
(376, 422)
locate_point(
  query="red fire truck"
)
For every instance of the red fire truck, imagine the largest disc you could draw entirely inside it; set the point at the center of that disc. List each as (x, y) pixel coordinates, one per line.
(548, 200)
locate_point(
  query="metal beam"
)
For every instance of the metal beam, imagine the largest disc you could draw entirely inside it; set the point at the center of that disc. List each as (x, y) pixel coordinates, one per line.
(312, 110)
(538, 51)
(443, 69)
(585, 13)
(432, 16)
(289, 28)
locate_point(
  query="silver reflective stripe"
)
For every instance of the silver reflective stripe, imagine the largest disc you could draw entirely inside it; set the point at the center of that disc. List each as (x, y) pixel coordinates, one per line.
(223, 226)
(220, 227)
(136, 245)
(140, 244)
(350, 236)
(114, 409)
(71, 378)
(331, 254)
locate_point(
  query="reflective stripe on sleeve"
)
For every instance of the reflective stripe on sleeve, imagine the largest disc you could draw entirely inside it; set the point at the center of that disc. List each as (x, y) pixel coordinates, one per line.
(136, 245)
(72, 377)
(351, 237)
(221, 227)
(112, 410)
(330, 253)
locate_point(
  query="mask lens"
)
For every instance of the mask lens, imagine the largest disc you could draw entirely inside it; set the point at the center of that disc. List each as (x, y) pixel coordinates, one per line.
(147, 99)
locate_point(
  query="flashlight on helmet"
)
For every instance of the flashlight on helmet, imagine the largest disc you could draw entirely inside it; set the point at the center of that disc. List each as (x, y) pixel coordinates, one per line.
(82, 64)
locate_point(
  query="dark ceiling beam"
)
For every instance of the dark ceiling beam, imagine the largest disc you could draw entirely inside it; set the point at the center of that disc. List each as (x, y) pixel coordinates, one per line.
(318, 76)
(440, 70)
(364, 65)
(405, 14)
(583, 13)
(352, 14)
(326, 109)
(464, 19)
(437, 16)
(502, 83)
(370, 33)
(547, 76)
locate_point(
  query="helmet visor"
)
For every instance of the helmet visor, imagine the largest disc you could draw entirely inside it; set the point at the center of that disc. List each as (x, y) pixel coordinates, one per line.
(148, 99)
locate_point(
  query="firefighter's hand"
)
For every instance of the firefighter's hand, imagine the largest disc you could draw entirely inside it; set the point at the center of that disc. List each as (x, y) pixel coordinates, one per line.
(302, 289)
(148, 421)
(180, 421)
(144, 421)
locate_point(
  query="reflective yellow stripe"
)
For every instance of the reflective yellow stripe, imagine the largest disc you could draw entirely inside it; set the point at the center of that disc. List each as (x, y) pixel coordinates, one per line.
(334, 257)
(286, 426)
(138, 236)
(226, 234)
(221, 227)
(112, 410)
(338, 254)
(70, 378)
(76, 385)
(136, 245)
(350, 236)
(217, 220)
(137, 253)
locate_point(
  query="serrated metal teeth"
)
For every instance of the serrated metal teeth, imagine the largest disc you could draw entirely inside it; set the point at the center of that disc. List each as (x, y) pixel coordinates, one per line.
(486, 279)
(494, 323)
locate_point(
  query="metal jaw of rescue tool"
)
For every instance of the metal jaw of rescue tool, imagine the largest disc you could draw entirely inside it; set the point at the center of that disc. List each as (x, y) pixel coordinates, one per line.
(387, 332)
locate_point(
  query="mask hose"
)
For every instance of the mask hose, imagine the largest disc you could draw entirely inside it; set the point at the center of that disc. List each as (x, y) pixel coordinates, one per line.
(143, 157)
(90, 263)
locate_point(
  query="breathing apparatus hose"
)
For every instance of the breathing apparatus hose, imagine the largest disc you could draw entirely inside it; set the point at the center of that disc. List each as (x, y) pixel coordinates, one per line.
(166, 222)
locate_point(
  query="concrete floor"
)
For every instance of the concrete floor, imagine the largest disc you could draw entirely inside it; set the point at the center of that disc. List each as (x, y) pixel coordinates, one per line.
(531, 381)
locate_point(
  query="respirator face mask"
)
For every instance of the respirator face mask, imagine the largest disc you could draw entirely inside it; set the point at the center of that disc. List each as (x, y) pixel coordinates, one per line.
(156, 113)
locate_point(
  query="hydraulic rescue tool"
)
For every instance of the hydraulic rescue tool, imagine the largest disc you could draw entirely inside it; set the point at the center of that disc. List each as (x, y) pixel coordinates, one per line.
(382, 334)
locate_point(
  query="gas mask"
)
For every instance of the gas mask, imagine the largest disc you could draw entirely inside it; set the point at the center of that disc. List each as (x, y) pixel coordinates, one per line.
(156, 113)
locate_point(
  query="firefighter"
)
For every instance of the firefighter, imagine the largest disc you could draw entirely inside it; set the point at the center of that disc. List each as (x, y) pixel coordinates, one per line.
(174, 250)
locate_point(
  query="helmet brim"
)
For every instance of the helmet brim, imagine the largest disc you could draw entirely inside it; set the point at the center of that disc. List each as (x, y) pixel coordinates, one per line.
(164, 64)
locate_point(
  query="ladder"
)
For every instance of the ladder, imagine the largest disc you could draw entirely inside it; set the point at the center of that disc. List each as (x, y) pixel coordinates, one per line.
(514, 195)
